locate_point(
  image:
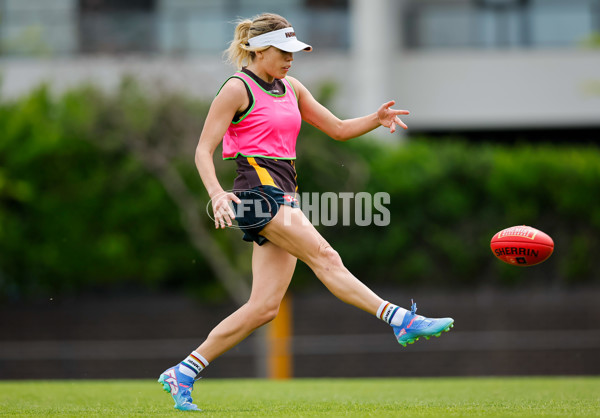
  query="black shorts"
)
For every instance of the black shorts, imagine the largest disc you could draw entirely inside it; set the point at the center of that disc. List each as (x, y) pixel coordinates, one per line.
(260, 205)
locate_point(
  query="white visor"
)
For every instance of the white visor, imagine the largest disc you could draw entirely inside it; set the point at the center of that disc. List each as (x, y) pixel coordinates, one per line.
(284, 39)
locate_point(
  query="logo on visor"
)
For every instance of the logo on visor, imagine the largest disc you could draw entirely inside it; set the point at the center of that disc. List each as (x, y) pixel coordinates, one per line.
(290, 34)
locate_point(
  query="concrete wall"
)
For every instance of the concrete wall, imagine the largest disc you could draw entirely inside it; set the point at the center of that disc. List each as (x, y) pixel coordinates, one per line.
(443, 90)
(501, 89)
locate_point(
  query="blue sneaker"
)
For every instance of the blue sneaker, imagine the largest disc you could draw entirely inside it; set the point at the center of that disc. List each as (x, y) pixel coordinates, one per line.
(414, 326)
(180, 387)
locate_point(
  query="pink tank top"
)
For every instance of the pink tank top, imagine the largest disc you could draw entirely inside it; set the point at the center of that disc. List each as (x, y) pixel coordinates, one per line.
(269, 129)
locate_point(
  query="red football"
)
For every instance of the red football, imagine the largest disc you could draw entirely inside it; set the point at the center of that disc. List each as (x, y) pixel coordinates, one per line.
(522, 246)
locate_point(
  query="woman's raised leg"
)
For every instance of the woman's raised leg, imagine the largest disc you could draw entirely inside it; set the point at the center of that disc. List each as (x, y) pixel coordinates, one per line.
(293, 232)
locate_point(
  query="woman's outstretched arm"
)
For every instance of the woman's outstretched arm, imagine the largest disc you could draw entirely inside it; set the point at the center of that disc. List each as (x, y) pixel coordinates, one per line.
(321, 118)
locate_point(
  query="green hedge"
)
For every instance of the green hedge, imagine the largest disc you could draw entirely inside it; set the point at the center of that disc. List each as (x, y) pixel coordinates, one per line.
(79, 212)
(449, 197)
(78, 215)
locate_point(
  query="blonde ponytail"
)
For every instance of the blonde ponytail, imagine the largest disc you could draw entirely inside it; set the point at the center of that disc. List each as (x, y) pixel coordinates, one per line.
(239, 52)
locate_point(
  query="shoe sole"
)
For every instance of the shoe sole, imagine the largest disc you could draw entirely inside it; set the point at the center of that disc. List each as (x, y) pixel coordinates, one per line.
(427, 337)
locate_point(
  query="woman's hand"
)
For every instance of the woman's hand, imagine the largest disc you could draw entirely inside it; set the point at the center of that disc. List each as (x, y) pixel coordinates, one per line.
(389, 117)
(222, 210)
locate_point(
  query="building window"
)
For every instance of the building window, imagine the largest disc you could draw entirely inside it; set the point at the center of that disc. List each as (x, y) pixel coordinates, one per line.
(505, 23)
(499, 23)
(325, 24)
(117, 26)
(327, 4)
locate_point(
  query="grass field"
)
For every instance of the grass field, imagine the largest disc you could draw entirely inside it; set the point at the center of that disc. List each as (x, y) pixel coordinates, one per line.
(487, 397)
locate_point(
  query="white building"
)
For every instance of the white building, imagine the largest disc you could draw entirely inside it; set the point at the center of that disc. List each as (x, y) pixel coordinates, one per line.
(466, 65)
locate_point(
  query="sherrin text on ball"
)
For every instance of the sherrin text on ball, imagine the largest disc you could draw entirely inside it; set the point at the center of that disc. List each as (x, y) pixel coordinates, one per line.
(522, 246)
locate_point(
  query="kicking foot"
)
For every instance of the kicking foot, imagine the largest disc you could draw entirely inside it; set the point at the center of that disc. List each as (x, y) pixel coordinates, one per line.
(414, 326)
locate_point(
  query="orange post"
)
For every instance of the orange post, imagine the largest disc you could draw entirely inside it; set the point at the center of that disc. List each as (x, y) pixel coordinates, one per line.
(279, 343)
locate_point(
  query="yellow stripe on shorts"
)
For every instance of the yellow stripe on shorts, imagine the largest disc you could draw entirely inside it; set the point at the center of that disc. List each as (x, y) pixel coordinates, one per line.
(263, 175)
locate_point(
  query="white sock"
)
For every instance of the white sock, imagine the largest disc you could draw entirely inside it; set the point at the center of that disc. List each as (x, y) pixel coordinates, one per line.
(390, 313)
(193, 365)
